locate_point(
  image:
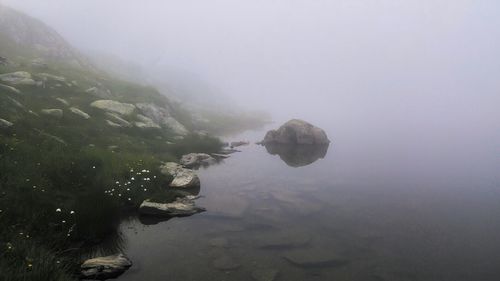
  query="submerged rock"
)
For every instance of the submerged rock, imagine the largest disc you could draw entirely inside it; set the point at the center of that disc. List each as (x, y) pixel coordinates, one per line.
(18, 78)
(54, 112)
(184, 206)
(225, 263)
(79, 112)
(265, 274)
(193, 160)
(183, 178)
(114, 106)
(105, 267)
(296, 131)
(314, 257)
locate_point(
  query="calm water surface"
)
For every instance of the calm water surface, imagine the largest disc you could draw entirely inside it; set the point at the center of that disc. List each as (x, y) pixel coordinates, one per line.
(371, 209)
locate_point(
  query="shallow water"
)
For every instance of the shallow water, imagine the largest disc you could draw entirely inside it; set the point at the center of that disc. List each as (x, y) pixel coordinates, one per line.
(370, 210)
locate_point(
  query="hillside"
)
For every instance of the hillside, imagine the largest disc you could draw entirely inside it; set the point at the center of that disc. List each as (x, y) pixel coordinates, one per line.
(69, 134)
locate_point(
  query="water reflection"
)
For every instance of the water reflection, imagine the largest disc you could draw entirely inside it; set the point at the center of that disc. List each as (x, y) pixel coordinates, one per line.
(298, 155)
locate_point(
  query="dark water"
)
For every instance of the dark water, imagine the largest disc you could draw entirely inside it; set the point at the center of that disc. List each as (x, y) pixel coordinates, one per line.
(371, 209)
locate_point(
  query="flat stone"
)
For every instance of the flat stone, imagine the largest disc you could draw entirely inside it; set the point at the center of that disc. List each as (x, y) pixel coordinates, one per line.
(266, 274)
(226, 263)
(183, 178)
(105, 267)
(180, 207)
(79, 112)
(114, 106)
(54, 112)
(314, 257)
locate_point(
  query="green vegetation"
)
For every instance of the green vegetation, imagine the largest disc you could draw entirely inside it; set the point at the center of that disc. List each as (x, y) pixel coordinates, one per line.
(66, 183)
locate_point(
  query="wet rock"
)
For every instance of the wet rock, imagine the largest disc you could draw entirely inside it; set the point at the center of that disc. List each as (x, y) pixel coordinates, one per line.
(193, 160)
(9, 89)
(225, 263)
(4, 124)
(183, 178)
(54, 112)
(314, 257)
(18, 78)
(114, 106)
(145, 122)
(184, 206)
(296, 131)
(79, 112)
(265, 274)
(105, 267)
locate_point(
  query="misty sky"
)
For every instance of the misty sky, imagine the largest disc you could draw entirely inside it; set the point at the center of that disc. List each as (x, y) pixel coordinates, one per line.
(420, 65)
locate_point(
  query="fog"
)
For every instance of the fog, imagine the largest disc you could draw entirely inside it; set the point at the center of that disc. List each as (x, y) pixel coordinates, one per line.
(410, 68)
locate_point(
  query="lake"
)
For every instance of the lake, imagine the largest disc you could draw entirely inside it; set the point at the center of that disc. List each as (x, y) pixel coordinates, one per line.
(373, 208)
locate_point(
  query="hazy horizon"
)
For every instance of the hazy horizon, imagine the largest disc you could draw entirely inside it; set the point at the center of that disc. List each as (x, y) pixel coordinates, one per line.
(419, 66)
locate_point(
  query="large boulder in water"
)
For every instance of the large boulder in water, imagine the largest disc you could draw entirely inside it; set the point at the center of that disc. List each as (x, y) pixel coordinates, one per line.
(296, 131)
(105, 267)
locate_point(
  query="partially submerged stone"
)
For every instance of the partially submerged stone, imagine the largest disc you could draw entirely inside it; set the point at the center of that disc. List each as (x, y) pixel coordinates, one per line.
(79, 112)
(296, 131)
(114, 106)
(184, 206)
(193, 160)
(183, 178)
(105, 267)
(54, 112)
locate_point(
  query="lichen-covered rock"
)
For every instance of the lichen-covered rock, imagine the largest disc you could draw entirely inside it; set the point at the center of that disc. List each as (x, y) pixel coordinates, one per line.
(145, 122)
(54, 112)
(193, 160)
(296, 131)
(118, 120)
(105, 267)
(183, 178)
(114, 106)
(162, 116)
(4, 124)
(184, 206)
(9, 89)
(79, 112)
(18, 78)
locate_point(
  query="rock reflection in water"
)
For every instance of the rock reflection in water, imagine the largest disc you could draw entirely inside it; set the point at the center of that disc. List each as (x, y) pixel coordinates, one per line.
(296, 155)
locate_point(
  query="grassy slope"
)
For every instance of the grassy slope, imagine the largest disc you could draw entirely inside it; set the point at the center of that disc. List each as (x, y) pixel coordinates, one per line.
(40, 175)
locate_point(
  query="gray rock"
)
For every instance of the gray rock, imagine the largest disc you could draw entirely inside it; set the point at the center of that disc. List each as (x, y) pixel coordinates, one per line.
(145, 122)
(265, 274)
(9, 89)
(54, 112)
(162, 116)
(296, 131)
(113, 124)
(98, 92)
(225, 263)
(79, 112)
(193, 160)
(48, 76)
(105, 267)
(314, 257)
(183, 178)
(4, 124)
(118, 120)
(18, 78)
(114, 106)
(63, 101)
(181, 207)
